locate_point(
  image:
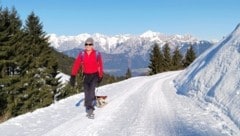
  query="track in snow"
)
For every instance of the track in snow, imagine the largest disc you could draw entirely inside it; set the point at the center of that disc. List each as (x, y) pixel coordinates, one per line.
(141, 107)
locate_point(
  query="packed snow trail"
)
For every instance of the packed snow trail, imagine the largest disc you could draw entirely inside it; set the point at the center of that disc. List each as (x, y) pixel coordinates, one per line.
(140, 106)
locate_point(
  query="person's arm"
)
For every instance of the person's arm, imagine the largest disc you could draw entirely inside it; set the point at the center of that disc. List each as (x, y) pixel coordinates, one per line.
(100, 68)
(76, 65)
(75, 68)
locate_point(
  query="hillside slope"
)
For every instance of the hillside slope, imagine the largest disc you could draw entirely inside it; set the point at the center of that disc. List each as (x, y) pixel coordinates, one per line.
(138, 106)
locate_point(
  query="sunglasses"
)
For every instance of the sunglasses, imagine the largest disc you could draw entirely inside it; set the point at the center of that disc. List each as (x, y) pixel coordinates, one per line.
(90, 44)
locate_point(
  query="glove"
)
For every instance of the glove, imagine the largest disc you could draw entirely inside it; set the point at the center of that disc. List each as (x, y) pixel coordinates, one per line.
(100, 79)
(72, 80)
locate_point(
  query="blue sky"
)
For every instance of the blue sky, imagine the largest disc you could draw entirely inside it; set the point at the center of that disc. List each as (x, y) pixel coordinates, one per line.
(204, 19)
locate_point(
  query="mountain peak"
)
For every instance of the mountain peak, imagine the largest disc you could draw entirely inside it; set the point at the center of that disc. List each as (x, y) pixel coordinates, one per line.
(149, 34)
(238, 26)
(236, 30)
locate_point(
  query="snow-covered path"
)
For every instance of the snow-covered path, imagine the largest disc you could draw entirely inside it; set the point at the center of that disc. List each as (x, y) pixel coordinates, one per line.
(140, 106)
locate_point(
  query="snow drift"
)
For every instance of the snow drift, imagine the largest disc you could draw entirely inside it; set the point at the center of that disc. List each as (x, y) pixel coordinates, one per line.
(214, 76)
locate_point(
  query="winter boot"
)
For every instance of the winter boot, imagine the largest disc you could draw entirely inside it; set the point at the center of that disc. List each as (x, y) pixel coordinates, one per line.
(90, 113)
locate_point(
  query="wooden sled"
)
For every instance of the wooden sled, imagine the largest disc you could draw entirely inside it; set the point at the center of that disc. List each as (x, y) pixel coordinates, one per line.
(104, 97)
(101, 101)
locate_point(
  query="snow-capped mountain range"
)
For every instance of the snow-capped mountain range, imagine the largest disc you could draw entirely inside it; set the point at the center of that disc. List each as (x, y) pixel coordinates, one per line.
(123, 51)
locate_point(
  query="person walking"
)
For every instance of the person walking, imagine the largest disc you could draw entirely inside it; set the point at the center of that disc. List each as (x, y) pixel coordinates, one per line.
(90, 61)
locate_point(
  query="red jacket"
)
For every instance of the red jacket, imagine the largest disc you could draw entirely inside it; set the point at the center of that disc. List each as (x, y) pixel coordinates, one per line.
(89, 63)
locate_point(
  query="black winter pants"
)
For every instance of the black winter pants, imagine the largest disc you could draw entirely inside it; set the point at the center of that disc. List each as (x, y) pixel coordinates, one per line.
(89, 84)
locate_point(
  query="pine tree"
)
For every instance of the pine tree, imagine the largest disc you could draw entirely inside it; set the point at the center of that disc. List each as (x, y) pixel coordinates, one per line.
(28, 67)
(156, 59)
(189, 57)
(128, 73)
(177, 60)
(167, 62)
(39, 69)
(10, 38)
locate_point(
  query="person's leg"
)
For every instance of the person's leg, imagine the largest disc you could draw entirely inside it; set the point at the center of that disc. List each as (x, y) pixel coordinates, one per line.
(86, 85)
(92, 87)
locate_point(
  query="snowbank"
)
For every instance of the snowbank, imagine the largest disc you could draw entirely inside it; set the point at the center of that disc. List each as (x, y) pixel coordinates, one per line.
(214, 76)
(63, 78)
